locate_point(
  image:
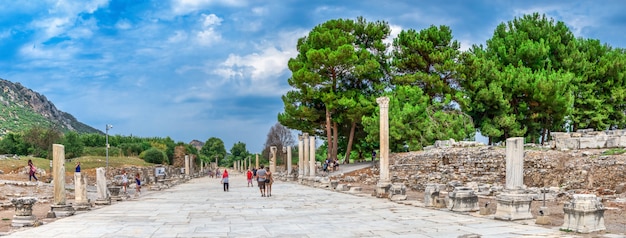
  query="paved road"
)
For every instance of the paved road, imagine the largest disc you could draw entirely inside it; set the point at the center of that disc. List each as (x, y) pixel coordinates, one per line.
(199, 208)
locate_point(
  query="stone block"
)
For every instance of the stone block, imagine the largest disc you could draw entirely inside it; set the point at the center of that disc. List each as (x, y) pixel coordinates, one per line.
(484, 211)
(431, 193)
(463, 199)
(592, 142)
(543, 220)
(567, 143)
(612, 141)
(584, 214)
(513, 207)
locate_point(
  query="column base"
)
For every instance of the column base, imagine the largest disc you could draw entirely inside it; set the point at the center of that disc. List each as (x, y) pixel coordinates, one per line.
(382, 189)
(513, 207)
(62, 210)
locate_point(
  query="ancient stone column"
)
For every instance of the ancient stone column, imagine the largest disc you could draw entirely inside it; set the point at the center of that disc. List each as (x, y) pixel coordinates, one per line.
(187, 166)
(514, 163)
(257, 161)
(101, 187)
(58, 171)
(300, 157)
(249, 162)
(23, 211)
(289, 161)
(273, 151)
(382, 188)
(59, 206)
(80, 191)
(305, 143)
(234, 165)
(312, 161)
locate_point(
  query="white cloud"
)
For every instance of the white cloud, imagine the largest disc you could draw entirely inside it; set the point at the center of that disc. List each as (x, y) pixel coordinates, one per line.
(183, 7)
(123, 24)
(208, 35)
(262, 72)
(178, 36)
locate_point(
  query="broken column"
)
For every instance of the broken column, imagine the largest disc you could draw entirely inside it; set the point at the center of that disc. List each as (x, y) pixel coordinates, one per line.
(59, 206)
(101, 187)
(273, 150)
(187, 166)
(81, 202)
(257, 161)
(23, 211)
(289, 165)
(382, 187)
(514, 202)
(584, 214)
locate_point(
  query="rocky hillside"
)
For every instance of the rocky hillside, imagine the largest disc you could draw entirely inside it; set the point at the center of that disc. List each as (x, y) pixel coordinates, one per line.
(22, 108)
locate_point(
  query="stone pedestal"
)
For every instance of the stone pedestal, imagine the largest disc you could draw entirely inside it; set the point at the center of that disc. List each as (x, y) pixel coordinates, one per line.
(543, 220)
(115, 193)
(512, 206)
(584, 214)
(397, 192)
(431, 193)
(23, 211)
(62, 210)
(382, 189)
(463, 199)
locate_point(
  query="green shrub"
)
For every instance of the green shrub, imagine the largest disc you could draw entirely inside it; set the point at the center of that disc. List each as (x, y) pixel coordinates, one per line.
(155, 156)
(614, 151)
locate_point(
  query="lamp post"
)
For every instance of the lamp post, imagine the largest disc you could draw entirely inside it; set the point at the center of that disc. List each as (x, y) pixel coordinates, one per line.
(107, 144)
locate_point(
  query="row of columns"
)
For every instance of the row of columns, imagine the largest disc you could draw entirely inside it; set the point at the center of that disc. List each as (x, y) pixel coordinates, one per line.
(306, 156)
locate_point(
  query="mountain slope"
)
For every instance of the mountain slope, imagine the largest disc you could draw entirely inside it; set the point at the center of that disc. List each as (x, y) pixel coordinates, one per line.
(22, 108)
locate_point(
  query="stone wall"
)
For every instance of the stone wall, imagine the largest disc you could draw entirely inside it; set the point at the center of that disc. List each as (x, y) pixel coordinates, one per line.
(576, 169)
(588, 139)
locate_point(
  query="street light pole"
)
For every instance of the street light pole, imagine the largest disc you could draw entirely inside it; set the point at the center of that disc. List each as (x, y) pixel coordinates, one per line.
(107, 144)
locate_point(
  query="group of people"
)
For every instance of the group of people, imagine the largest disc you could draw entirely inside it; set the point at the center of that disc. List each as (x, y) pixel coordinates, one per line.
(125, 183)
(263, 177)
(330, 165)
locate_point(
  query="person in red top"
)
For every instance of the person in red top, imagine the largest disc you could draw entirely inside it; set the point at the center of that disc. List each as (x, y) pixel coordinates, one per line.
(249, 175)
(225, 180)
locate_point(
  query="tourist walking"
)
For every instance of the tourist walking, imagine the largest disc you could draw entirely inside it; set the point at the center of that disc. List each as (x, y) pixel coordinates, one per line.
(254, 175)
(124, 181)
(225, 180)
(77, 169)
(249, 176)
(261, 173)
(269, 180)
(32, 170)
(138, 187)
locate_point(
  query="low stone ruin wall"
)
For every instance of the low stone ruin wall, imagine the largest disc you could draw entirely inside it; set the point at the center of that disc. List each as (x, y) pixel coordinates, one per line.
(568, 170)
(588, 139)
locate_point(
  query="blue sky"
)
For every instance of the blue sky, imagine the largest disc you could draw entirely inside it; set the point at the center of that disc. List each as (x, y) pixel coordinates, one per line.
(195, 69)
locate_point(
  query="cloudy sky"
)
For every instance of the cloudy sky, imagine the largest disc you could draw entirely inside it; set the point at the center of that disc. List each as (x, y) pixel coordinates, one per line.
(195, 69)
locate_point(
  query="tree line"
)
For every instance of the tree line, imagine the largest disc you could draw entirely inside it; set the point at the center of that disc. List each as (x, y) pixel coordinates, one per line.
(37, 141)
(530, 78)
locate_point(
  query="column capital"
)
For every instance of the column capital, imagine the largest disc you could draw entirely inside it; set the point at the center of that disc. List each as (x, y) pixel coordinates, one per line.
(383, 101)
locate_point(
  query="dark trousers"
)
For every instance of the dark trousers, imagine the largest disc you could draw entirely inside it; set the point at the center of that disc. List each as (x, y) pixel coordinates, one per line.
(225, 187)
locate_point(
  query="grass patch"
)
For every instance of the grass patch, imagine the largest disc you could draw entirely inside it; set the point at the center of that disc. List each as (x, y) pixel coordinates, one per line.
(614, 151)
(6, 219)
(86, 162)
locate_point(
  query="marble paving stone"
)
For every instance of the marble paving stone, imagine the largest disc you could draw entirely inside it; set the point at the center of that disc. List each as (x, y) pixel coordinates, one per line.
(199, 208)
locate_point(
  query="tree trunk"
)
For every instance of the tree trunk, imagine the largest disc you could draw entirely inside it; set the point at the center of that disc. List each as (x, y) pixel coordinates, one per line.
(350, 138)
(329, 136)
(335, 139)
